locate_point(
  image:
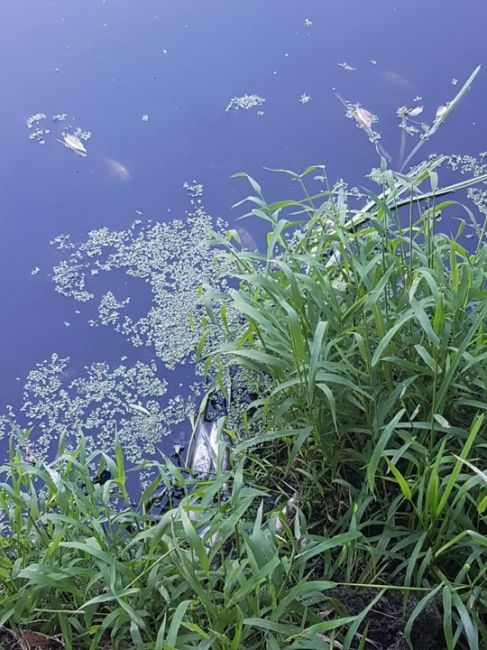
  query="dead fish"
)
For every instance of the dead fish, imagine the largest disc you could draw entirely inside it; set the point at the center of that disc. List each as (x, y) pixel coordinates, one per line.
(140, 409)
(441, 110)
(360, 114)
(246, 240)
(363, 117)
(117, 169)
(397, 79)
(74, 143)
(414, 112)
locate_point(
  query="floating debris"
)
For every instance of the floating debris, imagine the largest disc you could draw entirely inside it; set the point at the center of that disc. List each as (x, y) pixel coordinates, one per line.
(304, 99)
(164, 51)
(373, 61)
(145, 118)
(307, 22)
(35, 270)
(454, 81)
(346, 66)
(404, 112)
(70, 140)
(247, 241)
(418, 98)
(244, 102)
(260, 113)
(74, 143)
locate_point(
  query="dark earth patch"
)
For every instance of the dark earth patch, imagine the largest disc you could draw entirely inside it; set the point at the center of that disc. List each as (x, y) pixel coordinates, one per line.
(388, 618)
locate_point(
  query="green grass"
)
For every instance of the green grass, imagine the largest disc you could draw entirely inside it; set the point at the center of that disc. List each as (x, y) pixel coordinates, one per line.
(369, 337)
(358, 469)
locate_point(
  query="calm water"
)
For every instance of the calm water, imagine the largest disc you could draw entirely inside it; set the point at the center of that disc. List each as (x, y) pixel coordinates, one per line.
(106, 64)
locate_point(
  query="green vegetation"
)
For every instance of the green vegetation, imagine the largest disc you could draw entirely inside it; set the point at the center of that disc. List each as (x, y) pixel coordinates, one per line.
(357, 470)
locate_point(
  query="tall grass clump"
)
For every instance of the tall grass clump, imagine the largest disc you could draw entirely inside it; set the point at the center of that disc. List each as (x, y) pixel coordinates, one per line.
(81, 566)
(367, 333)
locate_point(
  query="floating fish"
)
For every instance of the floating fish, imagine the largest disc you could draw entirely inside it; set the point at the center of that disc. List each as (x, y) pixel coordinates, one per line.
(140, 409)
(74, 143)
(364, 120)
(397, 79)
(441, 110)
(363, 117)
(246, 240)
(117, 169)
(414, 112)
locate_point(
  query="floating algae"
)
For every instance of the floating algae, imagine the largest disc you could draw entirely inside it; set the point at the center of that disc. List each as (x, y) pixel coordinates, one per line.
(244, 102)
(37, 134)
(304, 99)
(170, 259)
(98, 404)
(173, 259)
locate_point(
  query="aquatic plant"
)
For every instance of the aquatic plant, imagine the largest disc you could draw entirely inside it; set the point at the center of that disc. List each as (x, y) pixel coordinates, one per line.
(174, 258)
(244, 102)
(165, 262)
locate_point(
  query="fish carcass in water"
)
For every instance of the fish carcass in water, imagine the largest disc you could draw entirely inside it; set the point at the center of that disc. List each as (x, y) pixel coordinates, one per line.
(246, 240)
(364, 120)
(207, 449)
(397, 79)
(74, 143)
(117, 169)
(440, 111)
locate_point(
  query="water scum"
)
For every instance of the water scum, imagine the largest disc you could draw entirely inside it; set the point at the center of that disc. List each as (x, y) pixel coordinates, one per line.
(173, 259)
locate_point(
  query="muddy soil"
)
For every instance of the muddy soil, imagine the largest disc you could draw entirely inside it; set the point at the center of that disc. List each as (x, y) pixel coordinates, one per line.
(388, 618)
